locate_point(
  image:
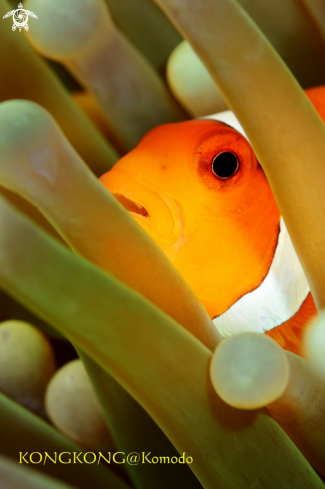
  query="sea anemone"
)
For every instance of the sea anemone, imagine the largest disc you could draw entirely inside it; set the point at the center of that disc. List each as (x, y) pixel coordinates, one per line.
(97, 279)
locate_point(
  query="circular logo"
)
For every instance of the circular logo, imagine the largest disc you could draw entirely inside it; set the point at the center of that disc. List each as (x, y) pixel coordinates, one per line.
(20, 18)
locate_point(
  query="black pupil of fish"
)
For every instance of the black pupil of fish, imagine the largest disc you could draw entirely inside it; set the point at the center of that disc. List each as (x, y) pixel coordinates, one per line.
(225, 165)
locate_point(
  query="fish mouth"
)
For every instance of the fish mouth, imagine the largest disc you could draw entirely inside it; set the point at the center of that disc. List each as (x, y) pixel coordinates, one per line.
(131, 205)
(158, 214)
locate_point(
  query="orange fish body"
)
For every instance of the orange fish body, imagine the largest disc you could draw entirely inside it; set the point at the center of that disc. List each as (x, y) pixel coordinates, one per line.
(198, 190)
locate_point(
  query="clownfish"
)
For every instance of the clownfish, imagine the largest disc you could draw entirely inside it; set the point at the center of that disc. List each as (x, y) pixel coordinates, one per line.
(198, 190)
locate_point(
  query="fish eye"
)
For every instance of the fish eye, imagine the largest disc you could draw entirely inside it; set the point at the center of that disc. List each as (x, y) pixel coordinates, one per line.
(225, 165)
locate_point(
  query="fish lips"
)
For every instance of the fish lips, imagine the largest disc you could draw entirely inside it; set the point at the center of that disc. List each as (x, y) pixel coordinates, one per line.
(160, 215)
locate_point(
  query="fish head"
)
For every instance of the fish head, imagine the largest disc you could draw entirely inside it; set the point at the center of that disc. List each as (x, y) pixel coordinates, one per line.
(197, 189)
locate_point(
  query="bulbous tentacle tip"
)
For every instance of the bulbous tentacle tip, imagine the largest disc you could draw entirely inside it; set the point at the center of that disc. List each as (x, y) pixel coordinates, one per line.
(21, 120)
(249, 370)
(68, 28)
(69, 400)
(30, 141)
(24, 376)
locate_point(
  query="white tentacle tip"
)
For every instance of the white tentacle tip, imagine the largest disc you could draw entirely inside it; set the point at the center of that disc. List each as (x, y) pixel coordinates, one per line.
(249, 370)
(21, 122)
(29, 142)
(68, 28)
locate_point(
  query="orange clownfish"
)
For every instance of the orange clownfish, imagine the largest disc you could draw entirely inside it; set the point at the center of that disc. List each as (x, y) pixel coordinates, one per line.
(198, 190)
